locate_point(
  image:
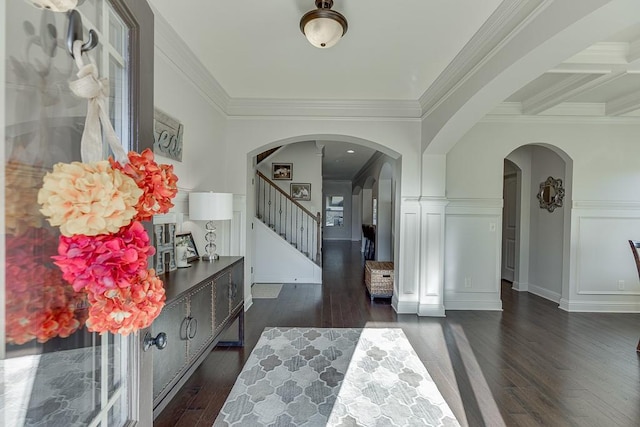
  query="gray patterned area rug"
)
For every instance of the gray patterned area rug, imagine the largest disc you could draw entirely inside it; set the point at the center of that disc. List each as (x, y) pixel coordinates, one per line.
(307, 377)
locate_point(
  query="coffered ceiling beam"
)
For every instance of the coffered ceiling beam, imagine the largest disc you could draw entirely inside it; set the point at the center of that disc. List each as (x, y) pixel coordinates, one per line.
(564, 90)
(634, 51)
(623, 104)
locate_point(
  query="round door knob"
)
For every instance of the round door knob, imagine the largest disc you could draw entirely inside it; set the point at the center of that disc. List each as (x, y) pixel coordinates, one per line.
(160, 341)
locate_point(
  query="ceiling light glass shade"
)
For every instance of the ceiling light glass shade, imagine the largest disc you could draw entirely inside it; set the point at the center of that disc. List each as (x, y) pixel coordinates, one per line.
(323, 27)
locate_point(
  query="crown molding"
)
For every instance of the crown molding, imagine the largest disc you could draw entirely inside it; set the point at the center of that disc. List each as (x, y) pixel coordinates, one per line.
(565, 89)
(506, 21)
(625, 104)
(608, 205)
(602, 53)
(577, 113)
(324, 108)
(596, 109)
(169, 42)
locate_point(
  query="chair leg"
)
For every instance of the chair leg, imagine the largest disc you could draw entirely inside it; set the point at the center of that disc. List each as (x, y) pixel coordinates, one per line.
(638, 347)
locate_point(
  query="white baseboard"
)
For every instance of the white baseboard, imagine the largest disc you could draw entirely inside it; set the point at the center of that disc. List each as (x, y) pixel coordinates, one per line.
(431, 310)
(520, 287)
(545, 293)
(404, 307)
(248, 302)
(599, 307)
(288, 279)
(473, 305)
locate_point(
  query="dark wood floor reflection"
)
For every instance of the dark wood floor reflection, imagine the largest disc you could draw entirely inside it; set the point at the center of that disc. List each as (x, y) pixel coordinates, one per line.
(532, 364)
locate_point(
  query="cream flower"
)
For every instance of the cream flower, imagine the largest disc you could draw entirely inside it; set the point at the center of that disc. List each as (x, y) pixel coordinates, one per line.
(88, 198)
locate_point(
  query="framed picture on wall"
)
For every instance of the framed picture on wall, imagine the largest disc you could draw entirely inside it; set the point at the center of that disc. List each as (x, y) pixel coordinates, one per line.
(282, 171)
(300, 191)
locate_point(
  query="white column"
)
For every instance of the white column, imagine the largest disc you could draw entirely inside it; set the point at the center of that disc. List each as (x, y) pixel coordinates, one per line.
(431, 285)
(407, 258)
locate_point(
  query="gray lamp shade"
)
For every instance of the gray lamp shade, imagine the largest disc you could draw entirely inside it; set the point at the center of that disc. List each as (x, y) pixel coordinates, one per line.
(210, 206)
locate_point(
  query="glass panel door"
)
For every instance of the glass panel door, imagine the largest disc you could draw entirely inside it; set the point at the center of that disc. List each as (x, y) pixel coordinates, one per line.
(55, 371)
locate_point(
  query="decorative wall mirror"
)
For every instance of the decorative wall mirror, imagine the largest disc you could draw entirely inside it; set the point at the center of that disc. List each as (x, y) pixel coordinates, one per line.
(551, 194)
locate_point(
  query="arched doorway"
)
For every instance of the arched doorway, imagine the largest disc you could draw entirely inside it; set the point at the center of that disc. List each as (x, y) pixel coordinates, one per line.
(541, 238)
(360, 206)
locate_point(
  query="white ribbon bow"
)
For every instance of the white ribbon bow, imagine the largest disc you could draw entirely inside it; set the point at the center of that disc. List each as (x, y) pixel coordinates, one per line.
(90, 86)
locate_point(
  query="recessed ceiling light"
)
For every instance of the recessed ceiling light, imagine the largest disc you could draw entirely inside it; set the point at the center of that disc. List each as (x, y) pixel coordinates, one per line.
(350, 151)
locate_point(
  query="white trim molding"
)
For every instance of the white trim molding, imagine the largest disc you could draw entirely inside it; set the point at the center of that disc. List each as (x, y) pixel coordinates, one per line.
(599, 306)
(474, 305)
(544, 293)
(324, 108)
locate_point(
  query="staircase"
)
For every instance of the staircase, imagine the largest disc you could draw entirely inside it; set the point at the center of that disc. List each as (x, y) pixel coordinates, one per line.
(288, 218)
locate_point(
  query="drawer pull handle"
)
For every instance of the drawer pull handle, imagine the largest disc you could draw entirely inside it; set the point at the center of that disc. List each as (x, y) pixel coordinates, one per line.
(160, 341)
(192, 334)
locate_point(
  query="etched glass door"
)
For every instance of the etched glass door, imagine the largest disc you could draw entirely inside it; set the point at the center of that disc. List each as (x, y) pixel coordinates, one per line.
(56, 373)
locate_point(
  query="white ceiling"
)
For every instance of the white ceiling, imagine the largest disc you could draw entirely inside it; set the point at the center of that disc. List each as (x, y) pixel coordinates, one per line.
(392, 50)
(338, 164)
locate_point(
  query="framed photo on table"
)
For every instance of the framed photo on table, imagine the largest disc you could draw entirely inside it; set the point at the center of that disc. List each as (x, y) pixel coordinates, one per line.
(192, 249)
(282, 171)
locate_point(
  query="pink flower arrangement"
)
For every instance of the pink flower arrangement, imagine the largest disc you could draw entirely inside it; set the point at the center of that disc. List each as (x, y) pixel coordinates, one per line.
(103, 249)
(88, 198)
(158, 183)
(107, 261)
(126, 310)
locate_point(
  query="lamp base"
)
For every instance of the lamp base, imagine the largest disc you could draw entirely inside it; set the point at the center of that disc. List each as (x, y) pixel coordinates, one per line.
(210, 258)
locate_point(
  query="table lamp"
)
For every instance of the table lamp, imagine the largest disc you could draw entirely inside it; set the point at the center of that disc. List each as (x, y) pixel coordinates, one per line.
(210, 207)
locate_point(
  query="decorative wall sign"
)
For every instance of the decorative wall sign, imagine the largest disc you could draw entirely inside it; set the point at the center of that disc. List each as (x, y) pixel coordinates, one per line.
(165, 259)
(167, 135)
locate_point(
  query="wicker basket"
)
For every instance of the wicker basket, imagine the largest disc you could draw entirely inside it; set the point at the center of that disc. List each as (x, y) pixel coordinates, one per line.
(378, 276)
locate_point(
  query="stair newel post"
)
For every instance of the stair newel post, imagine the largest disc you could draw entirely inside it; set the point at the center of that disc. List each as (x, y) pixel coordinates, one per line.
(318, 229)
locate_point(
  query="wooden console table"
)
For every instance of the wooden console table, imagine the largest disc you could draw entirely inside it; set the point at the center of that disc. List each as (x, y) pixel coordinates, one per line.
(202, 302)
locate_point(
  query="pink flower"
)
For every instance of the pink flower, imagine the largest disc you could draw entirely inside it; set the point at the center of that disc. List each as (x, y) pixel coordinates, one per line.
(157, 181)
(98, 263)
(88, 198)
(126, 310)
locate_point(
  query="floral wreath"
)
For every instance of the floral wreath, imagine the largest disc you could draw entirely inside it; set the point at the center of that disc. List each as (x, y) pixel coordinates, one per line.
(97, 204)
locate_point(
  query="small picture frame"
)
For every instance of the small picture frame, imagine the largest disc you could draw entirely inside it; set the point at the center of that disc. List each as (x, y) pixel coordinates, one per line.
(282, 171)
(192, 249)
(300, 191)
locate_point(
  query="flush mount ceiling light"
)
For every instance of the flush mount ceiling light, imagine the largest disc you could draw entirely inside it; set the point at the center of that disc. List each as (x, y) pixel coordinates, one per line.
(323, 27)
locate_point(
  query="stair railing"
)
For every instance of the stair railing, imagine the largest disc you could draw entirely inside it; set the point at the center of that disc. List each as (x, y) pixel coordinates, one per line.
(292, 221)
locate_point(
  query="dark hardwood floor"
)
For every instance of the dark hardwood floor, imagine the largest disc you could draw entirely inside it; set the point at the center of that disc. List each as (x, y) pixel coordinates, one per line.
(532, 364)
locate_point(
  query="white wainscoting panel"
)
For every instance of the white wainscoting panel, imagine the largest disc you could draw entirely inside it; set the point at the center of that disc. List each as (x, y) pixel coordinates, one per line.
(603, 272)
(472, 270)
(605, 264)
